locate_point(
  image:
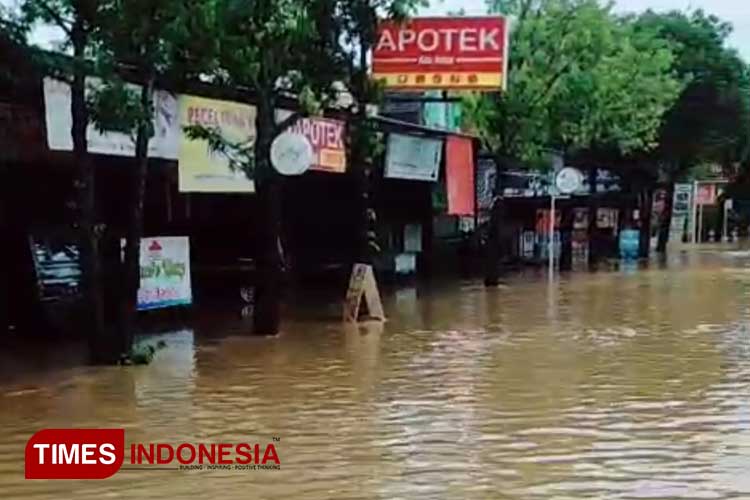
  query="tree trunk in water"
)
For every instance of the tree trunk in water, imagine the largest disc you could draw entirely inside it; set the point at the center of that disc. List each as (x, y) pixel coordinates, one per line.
(665, 223)
(362, 171)
(101, 349)
(132, 269)
(267, 313)
(647, 203)
(594, 238)
(492, 266)
(493, 253)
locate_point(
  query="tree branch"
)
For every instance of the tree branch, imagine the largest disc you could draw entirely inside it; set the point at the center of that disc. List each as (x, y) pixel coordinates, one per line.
(57, 18)
(288, 122)
(550, 84)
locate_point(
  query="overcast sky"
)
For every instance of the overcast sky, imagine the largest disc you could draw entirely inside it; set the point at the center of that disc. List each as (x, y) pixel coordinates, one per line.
(736, 11)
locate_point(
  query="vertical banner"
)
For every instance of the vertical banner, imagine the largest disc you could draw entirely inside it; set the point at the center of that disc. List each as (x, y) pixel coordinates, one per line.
(202, 170)
(165, 273)
(486, 176)
(682, 208)
(459, 167)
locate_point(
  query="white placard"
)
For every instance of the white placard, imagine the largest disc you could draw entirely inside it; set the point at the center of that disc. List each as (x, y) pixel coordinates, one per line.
(165, 273)
(291, 154)
(164, 144)
(413, 158)
(569, 180)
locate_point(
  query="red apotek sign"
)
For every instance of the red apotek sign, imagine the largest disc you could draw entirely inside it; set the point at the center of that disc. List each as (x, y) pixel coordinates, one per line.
(442, 53)
(100, 453)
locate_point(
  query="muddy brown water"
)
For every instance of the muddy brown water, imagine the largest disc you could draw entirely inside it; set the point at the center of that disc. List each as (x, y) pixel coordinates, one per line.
(632, 384)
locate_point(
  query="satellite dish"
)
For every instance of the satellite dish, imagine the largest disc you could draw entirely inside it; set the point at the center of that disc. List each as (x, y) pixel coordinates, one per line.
(569, 180)
(291, 154)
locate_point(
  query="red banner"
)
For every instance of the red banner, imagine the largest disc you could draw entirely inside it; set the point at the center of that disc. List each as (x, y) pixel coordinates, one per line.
(459, 165)
(706, 194)
(442, 53)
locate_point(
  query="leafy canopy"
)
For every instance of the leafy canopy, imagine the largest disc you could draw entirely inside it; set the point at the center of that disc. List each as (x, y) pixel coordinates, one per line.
(579, 76)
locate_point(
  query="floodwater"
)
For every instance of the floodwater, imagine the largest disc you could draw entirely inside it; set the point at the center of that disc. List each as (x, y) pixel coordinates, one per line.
(630, 384)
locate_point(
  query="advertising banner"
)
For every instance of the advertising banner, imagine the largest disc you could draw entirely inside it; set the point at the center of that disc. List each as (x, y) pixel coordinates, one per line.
(413, 158)
(202, 170)
(456, 53)
(459, 168)
(706, 194)
(164, 144)
(165, 273)
(683, 199)
(327, 139)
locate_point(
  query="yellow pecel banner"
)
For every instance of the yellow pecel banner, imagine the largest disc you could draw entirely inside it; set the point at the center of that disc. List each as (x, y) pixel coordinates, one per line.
(202, 170)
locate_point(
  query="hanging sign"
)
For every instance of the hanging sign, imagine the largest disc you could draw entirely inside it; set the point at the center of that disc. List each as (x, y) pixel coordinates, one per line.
(457, 53)
(291, 154)
(362, 284)
(327, 139)
(413, 158)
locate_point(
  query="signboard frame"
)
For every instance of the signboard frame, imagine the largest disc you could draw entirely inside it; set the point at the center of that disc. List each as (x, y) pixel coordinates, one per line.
(408, 144)
(463, 63)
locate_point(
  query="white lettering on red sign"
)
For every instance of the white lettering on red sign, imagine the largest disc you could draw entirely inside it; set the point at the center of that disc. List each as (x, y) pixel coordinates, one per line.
(430, 40)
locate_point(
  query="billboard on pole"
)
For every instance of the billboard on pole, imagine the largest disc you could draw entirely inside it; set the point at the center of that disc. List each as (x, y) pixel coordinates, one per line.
(452, 53)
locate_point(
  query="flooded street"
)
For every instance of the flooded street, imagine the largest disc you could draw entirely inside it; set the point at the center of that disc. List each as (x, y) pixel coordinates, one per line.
(614, 385)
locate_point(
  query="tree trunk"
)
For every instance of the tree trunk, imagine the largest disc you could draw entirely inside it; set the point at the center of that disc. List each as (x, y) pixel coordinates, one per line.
(267, 313)
(101, 349)
(665, 223)
(594, 238)
(492, 265)
(493, 245)
(646, 209)
(135, 225)
(362, 172)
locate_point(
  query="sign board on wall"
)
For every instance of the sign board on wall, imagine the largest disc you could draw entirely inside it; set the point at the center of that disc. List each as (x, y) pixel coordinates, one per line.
(164, 144)
(442, 53)
(327, 139)
(202, 170)
(165, 273)
(413, 158)
(706, 194)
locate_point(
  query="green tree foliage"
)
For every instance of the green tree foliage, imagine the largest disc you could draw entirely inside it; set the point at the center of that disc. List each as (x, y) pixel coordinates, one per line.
(710, 121)
(578, 77)
(312, 49)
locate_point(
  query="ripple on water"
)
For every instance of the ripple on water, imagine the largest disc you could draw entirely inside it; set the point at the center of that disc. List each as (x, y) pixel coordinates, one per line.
(606, 385)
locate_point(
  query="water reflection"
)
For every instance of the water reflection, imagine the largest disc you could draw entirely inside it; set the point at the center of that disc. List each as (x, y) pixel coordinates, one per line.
(607, 385)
